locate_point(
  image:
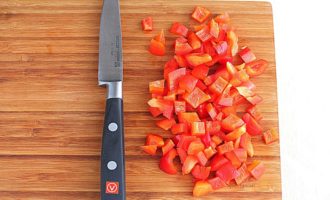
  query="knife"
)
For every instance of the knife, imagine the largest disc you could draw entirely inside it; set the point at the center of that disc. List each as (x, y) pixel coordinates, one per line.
(110, 74)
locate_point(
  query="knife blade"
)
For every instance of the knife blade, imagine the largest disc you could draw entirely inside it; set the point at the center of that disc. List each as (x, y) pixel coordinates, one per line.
(110, 47)
(110, 74)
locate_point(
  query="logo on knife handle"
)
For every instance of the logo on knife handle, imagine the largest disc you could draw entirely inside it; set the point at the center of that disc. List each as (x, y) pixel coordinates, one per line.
(112, 187)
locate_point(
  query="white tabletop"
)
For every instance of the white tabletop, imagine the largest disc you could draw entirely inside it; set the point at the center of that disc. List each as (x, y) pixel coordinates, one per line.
(303, 73)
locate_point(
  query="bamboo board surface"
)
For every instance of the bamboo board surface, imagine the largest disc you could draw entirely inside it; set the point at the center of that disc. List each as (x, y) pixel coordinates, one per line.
(51, 108)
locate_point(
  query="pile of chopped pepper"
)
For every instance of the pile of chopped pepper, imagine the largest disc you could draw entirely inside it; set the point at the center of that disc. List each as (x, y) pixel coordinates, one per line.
(208, 102)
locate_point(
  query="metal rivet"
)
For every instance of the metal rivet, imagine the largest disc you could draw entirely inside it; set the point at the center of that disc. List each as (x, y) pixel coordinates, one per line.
(112, 165)
(113, 127)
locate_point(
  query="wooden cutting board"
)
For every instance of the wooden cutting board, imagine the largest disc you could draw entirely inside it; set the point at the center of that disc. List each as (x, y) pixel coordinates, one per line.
(51, 108)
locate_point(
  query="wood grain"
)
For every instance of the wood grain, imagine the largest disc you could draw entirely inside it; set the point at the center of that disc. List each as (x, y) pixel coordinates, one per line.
(51, 109)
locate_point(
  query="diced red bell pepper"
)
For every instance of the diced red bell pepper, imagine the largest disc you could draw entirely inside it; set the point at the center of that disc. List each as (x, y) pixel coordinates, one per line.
(185, 141)
(231, 122)
(161, 104)
(157, 44)
(174, 77)
(231, 156)
(219, 116)
(204, 34)
(213, 127)
(170, 66)
(157, 48)
(154, 139)
(222, 35)
(254, 112)
(200, 14)
(245, 142)
(231, 68)
(196, 59)
(218, 85)
(221, 48)
(217, 183)
(147, 24)
(217, 161)
(256, 169)
(211, 111)
(198, 128)
(237, 143)
(216, 139)
(155, 112)
(188, 82)
(150, 149)
(214, 28)
(202, 112)
(238, 132)
(223, 73)
(166, 162)
(243, 174)
(201, 172)
(194, 41)
(201, 85)
(224, 101)
(255, 68)
(189, 164)
(254, 100)
(240, 67)
(196, 97)
(200, 72)
(249, 84)
(202, 188)
(206, 139)
(227, 172)
(182, 154)
(179, 29)
(157, 87)
(210, 79)
(226, 147)
(233, 42)
(161, 37)
(209, 152)
(209, 49)
(181, 60)
(182, 47)
(179, 106)
(179, 128)
(245, 92)
(171, 97)
(202, 159)
(166, 124)
(252, 126)
(230, 110)
(222, 18)
(242, 76)
(188, 117)
(247, 55)
(270, 136)
(168, 145)
(168, 111)
(238, 99)
(195, 147)
(241, 154)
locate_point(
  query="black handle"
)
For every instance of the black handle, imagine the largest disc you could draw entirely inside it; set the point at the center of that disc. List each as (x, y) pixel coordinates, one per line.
(113, 152)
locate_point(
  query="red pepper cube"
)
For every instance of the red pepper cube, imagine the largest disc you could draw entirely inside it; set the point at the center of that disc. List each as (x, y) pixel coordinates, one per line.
(147, 24)
(270, 136)
(198, 128)
(226, 147)
(179, 106)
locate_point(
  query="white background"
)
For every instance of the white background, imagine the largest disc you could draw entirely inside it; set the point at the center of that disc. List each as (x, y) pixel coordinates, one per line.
(303, 72)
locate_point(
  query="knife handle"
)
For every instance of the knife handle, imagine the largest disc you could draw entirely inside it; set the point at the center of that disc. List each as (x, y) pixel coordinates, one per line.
(112, 156)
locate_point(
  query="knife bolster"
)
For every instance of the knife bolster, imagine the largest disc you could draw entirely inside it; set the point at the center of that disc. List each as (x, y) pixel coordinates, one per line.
(114, 89)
